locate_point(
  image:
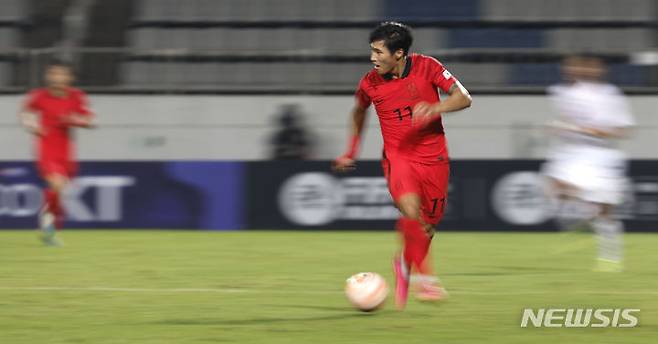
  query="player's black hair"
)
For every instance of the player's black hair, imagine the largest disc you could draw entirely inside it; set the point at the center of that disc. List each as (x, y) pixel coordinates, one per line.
(59, 63)
(395, 36)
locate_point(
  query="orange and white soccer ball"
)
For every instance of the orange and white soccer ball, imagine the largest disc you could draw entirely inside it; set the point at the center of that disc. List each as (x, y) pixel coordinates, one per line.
(367, 291)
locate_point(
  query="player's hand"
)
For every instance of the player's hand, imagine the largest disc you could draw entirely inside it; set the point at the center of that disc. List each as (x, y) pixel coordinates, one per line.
(33, 127)
(343, 164)
(423, 112)
(595, 132)
(35, 130)
(77, 121)
(566, 126)
(559, 125)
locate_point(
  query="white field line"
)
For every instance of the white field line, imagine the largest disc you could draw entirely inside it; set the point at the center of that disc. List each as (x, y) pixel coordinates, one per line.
(307, 292)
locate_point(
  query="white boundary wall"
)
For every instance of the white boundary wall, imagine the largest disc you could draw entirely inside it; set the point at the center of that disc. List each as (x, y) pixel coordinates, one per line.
(238, 127)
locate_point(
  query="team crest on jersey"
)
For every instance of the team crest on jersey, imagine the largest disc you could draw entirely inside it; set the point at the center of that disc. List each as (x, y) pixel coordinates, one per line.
(412, 91)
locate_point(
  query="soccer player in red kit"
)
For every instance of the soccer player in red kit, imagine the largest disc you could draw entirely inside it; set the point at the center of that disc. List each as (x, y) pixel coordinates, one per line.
(404, 88)
(49, 114)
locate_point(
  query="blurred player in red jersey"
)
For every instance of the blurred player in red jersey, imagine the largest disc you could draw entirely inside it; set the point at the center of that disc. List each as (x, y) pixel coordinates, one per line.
(49, 114)
(403, 88)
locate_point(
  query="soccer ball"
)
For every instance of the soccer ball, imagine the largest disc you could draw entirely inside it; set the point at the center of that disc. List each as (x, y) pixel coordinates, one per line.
(366, 291)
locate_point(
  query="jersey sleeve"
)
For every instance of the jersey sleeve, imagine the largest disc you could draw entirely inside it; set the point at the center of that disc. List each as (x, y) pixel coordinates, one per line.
(31, 102)
(82, 106)
(620, 113)
(556, 95)
(439, 75)
(362, 98)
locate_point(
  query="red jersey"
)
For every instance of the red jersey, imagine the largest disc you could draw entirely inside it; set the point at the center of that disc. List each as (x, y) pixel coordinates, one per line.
(56, 143)
(394, 101)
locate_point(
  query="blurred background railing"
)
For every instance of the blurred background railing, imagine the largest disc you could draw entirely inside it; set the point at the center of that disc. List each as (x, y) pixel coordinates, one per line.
(313, 47)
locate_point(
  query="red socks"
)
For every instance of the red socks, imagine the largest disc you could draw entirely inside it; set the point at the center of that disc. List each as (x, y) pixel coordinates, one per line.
(54, 207)
(416, 244)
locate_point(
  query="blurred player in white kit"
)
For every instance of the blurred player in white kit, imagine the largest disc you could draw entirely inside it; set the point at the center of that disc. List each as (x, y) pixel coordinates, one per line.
(584, 163)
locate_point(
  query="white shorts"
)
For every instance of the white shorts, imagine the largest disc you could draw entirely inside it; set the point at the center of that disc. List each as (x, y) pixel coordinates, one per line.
(594, 180)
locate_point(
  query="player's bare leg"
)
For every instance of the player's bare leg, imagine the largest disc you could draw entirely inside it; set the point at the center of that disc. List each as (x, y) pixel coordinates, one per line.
(50, 217)
(573, 216)
(571, 213)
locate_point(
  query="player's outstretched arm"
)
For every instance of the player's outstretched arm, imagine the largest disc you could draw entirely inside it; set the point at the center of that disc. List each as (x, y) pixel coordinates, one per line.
(28, 117)
(81, 116)
(30, 122)
(613, 132)
(346, 161)
(81, 120)
(458, 99)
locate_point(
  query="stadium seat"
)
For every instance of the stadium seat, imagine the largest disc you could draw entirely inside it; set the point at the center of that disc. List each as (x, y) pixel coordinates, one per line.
(13, 9)
(337, 40)
(604, 40)
(566, 9)
(9, 38)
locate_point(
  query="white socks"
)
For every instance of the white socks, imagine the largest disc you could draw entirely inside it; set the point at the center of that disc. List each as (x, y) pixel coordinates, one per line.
(609, 237)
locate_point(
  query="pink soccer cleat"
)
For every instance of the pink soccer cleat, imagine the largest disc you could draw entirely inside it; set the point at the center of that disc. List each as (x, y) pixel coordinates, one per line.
(401, 284)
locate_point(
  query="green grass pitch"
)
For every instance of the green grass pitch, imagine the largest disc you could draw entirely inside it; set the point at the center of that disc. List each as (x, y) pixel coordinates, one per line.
(287, 287)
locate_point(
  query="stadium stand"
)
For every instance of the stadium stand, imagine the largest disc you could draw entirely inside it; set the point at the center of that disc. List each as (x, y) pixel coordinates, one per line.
(12, 18)
(298, 27)
(309, 46)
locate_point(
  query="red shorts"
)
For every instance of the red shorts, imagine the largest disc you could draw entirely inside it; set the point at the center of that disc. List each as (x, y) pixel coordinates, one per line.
(430, 182)
(63, 167)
